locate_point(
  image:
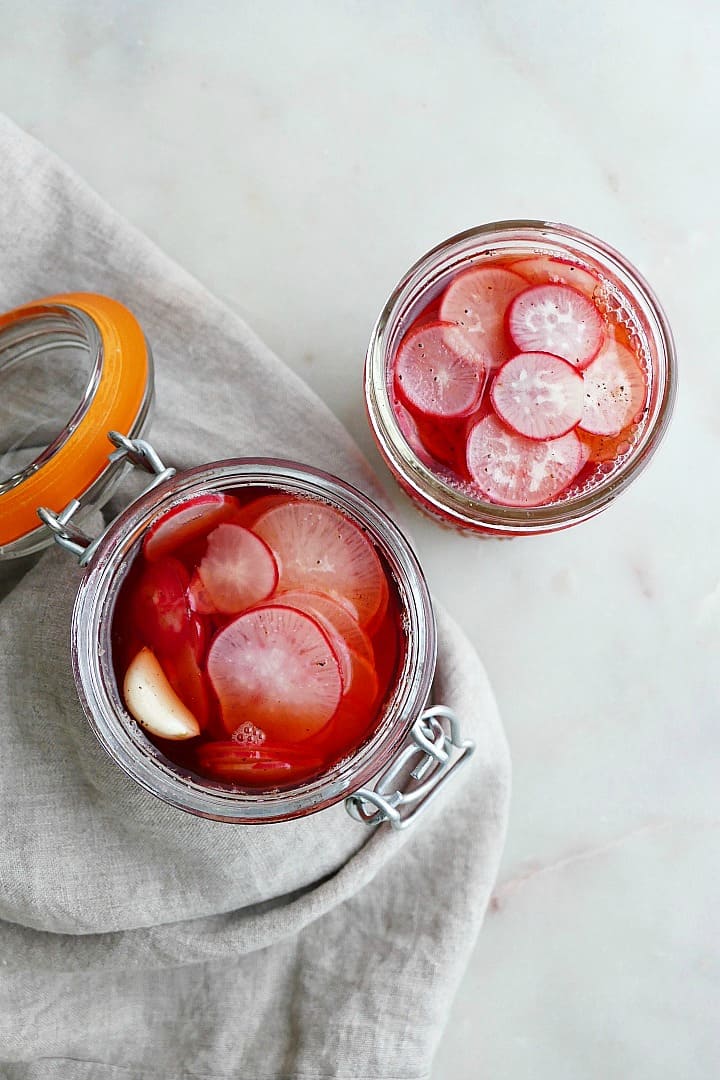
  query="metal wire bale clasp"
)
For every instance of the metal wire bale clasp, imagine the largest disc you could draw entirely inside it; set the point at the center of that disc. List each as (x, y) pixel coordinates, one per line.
(436, 749)
(66, 533)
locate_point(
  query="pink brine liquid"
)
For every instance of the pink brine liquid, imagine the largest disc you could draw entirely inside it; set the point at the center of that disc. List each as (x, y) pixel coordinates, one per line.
(257, 636)
(521, 383)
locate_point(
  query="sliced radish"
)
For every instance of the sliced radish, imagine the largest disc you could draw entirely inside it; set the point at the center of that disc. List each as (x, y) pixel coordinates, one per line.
(615, 391)
(274, 667)
(237, 571)
(514, 471)
(477, 301)
(160, 609)
(199, 598)
(319, 550)
(544, 270)
(189, 681)
(411, 433)
(389, 642)
(351, 644)
(151, 699)
(444, 440)
(257, 765)
(371, 625)
(538, 395)
(364, 687)
(337, 641)
(188, 521)
(336, 615)
(251, 511)
(556, 319)
(356, 715)
(435, 377)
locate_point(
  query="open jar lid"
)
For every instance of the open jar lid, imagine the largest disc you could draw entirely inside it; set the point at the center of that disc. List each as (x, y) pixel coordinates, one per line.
(72, 368)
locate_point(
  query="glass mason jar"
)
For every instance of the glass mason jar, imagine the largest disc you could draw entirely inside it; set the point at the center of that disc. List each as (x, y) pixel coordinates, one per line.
(624, 291)
(411, 750)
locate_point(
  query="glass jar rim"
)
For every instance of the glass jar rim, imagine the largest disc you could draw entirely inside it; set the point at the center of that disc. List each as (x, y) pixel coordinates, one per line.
(541, 238)
(122, 737)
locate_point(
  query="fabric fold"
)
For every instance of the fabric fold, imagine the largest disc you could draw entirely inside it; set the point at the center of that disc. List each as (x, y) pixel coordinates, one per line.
(135, 938)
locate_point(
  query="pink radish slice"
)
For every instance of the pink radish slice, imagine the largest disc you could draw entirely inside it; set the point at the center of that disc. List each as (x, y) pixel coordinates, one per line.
(237, 571)
(363, 687)
(336, 615)
(275, 668)
(411, 433)
(319, 550)
(538, 395)
(477, 301)
(257, 766)
(297, 602)
(199, 598)
(251, 511)
(188, 681)
(355, 717)
(437, 377)
(188, 521)
(514, 471)
(408, 426)
(559, 320)
(584, 453)
(615, 391)
(160, 611)
(543, 270)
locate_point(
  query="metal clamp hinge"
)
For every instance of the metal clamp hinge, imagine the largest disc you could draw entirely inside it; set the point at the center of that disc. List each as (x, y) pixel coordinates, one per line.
(435, 751)
(68, 535)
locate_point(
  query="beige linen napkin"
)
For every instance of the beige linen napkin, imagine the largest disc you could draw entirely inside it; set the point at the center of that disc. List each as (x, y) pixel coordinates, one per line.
(139, 941)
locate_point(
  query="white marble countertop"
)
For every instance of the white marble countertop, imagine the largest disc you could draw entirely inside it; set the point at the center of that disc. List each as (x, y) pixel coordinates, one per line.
(297, 158)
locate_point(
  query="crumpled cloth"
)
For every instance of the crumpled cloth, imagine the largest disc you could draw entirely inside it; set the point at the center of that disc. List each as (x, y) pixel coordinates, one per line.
(140, 941)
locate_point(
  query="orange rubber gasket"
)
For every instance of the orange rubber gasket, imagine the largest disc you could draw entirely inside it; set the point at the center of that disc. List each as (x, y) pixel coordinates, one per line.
(116, 403)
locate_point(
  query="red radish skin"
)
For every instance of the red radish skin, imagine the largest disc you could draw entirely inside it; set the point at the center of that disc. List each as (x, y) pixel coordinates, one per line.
(476, 302)
(237, 572)
(556, 319)
(274, 667)
(319, 550)
(615, 391)
(538, 395)
(438, 377)
(544, 270)
(514, 471)
(186, 522)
